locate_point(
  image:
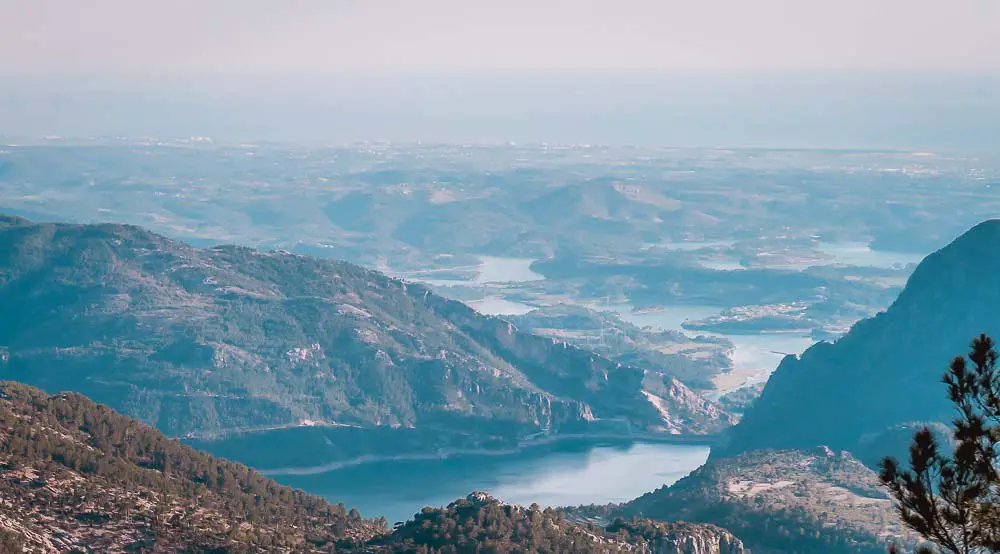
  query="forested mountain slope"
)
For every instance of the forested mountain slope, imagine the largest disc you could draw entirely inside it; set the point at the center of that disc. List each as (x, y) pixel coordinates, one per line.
(78, 477)
(208, 343)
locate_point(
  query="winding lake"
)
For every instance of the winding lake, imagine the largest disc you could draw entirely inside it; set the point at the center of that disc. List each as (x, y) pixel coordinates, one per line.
(861, 254)
(668, 318)
(566, 473)
(493, 271)
(760, 352)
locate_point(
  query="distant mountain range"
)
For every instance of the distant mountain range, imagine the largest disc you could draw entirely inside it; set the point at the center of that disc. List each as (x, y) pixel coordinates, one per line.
(408, 204)
(866, 392)
(218, 344)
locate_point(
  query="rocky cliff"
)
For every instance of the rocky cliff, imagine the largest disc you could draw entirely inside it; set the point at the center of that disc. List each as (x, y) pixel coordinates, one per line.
(695, 539)
(817, 501)
(885, 374)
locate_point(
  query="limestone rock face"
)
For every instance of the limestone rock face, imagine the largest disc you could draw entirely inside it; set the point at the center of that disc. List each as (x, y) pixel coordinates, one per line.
(697, 539)
(815, 500)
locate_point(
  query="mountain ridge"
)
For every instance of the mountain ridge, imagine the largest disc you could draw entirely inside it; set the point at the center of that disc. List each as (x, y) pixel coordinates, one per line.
(229, 338)
(885, 372)
(78, 476)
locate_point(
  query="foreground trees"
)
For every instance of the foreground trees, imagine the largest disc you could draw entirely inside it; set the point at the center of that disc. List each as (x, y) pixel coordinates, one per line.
(953, 500)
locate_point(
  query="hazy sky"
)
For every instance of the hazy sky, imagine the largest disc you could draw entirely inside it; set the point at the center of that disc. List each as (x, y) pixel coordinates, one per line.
(331, 36)
(790, 73)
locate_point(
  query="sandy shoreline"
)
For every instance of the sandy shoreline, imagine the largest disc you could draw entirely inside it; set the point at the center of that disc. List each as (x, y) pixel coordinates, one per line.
(738, 378)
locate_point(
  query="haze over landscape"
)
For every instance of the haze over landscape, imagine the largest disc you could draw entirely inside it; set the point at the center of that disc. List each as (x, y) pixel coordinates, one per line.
(443, 276)
(773, 73)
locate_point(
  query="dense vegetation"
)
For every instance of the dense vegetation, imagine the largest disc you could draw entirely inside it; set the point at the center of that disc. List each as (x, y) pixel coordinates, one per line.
(954, 500)
(78, 477)
(858, 392)
(210, 343)
(77, 474)
(480, 523)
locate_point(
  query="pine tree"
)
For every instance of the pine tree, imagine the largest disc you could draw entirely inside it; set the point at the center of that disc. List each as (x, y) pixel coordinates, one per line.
(954, 501)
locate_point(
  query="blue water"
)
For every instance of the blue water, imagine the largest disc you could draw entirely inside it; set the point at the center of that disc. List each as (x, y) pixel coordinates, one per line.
(861, 254)
(667, 318)
(760, 353)
(492, 272)
(567, 473)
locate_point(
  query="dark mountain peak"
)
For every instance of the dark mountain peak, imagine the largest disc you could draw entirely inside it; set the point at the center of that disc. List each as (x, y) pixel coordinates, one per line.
(981, 235)
(965, 262)
(887, 370)
(987, 230)
(967, 247)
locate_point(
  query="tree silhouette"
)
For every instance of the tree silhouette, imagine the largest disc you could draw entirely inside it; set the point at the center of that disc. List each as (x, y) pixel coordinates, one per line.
(952, 501)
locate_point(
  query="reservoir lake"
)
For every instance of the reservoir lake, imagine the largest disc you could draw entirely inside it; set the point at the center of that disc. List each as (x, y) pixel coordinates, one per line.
(569, 472)
(564, 473)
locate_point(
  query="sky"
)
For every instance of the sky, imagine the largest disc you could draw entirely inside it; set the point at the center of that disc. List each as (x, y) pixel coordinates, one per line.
(324, 36)
(788, 73)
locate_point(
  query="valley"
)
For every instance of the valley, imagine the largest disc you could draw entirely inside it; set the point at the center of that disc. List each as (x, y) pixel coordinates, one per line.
(740, 244)
(227, 346)
(574, 330)
(518, 277)
(741, 340)
(78, 476)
